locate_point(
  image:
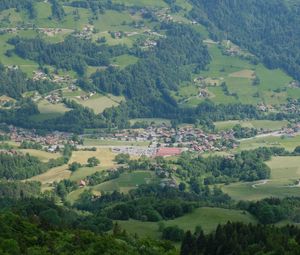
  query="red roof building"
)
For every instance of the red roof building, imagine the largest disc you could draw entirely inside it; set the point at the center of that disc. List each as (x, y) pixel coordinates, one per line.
(164, 152)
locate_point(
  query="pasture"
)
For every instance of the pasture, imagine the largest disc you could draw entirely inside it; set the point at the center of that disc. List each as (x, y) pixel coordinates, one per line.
(53, 175)
(285, 176)
(126, 182)
(49, 111)
(206, 217)
(98, 103)
(42, 155)
(238, 74)
(287, 142)
(259, 124)
(105, 156)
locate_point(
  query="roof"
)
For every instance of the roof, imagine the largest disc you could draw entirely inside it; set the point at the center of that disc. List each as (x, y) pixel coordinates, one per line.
(168, 152)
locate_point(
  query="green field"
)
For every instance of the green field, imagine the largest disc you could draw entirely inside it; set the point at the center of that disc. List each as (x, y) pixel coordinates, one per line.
(285, 173)
(49, 111)
(126, 182)
(207, 218)
(42, 155)
(238, 75)
(259, 124)
(287, 142)
(97, 102)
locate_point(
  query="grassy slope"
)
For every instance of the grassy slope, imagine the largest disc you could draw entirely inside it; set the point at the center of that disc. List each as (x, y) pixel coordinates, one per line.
(207, 218)
(285, 171)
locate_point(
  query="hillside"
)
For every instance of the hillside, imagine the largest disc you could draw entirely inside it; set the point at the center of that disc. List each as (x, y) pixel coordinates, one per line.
(103, 54)
(152, 127)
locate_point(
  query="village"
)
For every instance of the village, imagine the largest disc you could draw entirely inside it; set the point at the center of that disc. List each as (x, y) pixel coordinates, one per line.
(154, 141)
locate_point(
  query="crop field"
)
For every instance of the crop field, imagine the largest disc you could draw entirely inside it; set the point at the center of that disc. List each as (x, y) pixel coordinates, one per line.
(285, 175)
(42, 155)
(207, 218)
(259, 124)
(287, 142)
(126, 182)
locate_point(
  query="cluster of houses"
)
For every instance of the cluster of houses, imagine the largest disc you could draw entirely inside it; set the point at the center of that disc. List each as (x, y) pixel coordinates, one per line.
(188, 138)
(52, 140)
(54, 98)
(40, 75)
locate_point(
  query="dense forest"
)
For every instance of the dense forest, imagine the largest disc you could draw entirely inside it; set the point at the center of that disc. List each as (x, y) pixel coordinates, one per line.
(238, 238)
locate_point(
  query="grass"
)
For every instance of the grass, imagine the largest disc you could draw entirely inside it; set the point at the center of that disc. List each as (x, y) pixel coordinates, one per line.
(289, 143)
(105, 156)
(124, 60)
(126, 182)
(98, 103)
(53, 175)
(238, 74)
(259, 124)
(49, 111)
(207, 218)
(285, 171)
(42, 155)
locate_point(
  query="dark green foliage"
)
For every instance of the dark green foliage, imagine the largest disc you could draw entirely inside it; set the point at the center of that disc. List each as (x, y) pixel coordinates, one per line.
(244, 166)
(18, 167)
(93, 161)
(238, 238)
(45, 229)
(14, 82)
(150, 203)
(31, 145)
(17, 189)
(273, 210)
(71, 54)
(157, 72)
(267, 29)
(74, 166)
(122, 158)
(243, 132)
(173, 233)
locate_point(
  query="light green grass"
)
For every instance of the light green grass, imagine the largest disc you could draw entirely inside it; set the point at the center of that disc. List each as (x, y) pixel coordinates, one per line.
(259, 124)
(223, 67)
(285, 171)
(289, 143)
(42, 155)
(126, 182)
(49, 111)
(124, 60)
(207, 218)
